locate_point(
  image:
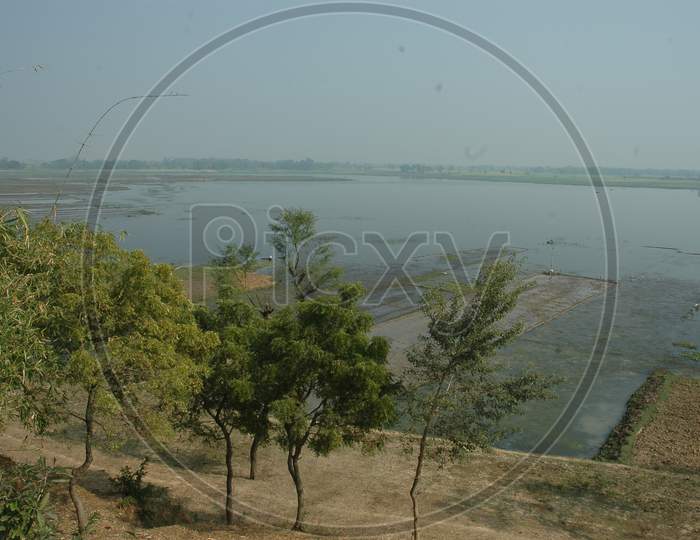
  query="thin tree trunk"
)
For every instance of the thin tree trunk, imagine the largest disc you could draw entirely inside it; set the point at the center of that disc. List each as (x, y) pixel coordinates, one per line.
(77, 472)
(293, 466)
(229, 478)
(254, 454)
(417, 478)
(421, 453)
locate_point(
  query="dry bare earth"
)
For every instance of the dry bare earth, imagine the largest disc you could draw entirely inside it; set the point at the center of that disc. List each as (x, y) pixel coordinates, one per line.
(672, 438)
(557, 498)
(200, 286)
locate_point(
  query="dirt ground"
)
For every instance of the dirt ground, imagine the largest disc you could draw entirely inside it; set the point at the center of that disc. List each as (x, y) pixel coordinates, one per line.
(672, 438)
(200, 286)
(553, 498)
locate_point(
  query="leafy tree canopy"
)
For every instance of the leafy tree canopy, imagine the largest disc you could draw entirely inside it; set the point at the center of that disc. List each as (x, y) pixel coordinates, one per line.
(29, 368)
(306, 254)
(333, 378)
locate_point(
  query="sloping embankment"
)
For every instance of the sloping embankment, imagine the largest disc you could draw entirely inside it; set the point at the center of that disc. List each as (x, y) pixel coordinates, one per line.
(640, 411)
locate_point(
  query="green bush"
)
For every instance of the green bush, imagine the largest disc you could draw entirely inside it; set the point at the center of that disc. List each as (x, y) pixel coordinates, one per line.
(26, 511)
(153, 503)
(130, 483)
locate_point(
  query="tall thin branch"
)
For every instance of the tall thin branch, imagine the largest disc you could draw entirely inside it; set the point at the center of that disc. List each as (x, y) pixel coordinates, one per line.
(90, 133)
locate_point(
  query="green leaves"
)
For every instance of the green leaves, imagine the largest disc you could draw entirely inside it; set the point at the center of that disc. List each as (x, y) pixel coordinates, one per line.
(306, 254)
(453, 386)
(29, 366)
(232, 269)
(226, 394)
(335, 381)
(76, 307)
(26, 510)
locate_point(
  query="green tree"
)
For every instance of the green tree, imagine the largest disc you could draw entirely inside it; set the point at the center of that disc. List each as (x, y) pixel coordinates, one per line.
(232, 268)
(29, 368)
(125, 334)
(231, 271)
(306, 254)
(338, 385)
(455, 392)
(26, 509)
(306, 263)
(223, 403)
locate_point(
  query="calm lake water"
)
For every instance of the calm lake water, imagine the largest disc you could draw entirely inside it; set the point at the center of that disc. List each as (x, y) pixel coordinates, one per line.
(658, 245)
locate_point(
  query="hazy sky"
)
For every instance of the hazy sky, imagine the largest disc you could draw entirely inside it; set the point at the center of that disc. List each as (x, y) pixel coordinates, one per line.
(357, 88)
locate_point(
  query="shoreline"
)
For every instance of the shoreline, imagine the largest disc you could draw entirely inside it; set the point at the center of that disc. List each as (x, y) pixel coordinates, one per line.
(659, 429)
(639, 411)
(128, 176)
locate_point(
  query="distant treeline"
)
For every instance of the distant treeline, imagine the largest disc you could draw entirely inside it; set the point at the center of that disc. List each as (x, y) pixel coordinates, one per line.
(421, 169)
(193, 164)
(308, 164)
(9, 164)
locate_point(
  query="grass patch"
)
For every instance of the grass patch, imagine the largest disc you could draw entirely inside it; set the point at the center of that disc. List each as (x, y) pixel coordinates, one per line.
(641, 409)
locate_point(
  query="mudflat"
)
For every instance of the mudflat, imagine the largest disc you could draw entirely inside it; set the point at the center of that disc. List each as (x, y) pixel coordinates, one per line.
(548, 297)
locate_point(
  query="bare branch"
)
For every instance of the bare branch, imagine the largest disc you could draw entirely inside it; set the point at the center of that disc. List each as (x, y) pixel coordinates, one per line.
(90, 133)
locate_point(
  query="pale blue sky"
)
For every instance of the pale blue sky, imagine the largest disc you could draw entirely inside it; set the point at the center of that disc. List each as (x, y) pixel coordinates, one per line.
(358, 88)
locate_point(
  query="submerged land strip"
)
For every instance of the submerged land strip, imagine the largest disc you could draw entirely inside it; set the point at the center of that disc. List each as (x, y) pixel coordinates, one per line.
(548, 297)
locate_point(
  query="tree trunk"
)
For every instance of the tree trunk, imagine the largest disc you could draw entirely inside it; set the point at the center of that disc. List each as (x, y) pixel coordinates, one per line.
(254, 454)
(293, 466)
(421, 453)
(77, 472)
(229, 478)
(416, 479)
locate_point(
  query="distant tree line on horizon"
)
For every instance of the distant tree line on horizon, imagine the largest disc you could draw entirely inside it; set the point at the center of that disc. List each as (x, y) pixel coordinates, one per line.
(10, 164)
(308, 164)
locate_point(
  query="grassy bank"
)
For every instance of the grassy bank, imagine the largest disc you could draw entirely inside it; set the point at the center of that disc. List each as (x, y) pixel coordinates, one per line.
(640, 410)
(671, 440)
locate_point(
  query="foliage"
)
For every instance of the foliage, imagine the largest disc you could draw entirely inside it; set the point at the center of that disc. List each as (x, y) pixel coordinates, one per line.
(122, 324)
(306, 254)
(232, 269)
(453, 385)
(11, 164)
(26, 511)
(29, 368)
(130, 483)
(685, 345)
(333, 378)
(225, 397)
(455, 394)
(122, 331)
(197, 164)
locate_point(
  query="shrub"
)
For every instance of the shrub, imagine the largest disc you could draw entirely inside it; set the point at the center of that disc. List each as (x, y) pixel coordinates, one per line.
(153, 504)
(26, 511)
(130, 483)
